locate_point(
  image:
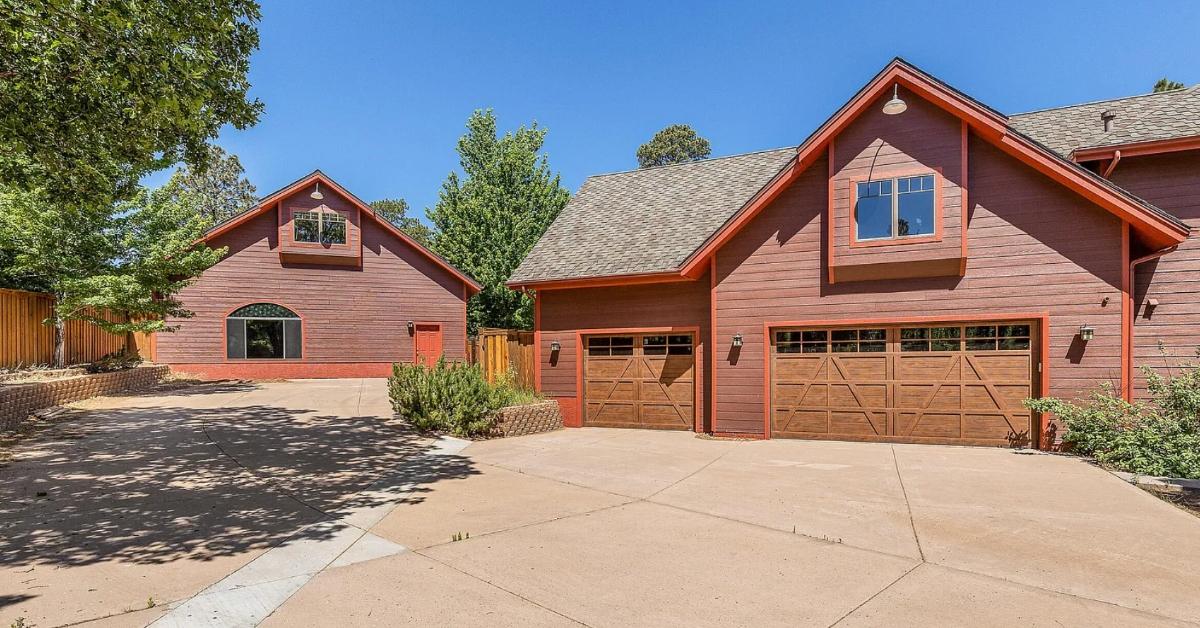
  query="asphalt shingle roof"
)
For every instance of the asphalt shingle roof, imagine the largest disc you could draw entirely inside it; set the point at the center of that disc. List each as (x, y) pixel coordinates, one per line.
(647, 220)
(1161, 116)
(651, 220)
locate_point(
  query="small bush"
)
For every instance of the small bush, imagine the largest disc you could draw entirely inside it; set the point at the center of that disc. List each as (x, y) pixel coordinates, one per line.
(116, 361)
(450, 397)
(1157, 438)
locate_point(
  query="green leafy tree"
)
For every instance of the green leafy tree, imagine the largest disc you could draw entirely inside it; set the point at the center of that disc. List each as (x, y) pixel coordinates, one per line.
(133, 259)
(395, 211)
(96, 94)
(1165, 84)
(488, 219)
(218, 187)
(675, 144)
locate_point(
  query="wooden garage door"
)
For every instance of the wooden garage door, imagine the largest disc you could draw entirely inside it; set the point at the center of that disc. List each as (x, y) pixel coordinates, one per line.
(643, 381)
(945, 383)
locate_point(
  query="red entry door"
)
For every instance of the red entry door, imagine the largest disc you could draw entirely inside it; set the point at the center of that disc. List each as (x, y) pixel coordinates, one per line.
(428, 341)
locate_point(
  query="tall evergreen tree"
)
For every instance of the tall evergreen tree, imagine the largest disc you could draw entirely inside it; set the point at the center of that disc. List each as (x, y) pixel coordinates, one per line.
(488, 219)
(395, 211)
(674, 144)
(1165, 84)
(218, 187)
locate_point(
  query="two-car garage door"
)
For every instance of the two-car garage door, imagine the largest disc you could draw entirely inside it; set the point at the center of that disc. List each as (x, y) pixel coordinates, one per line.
(950, 383)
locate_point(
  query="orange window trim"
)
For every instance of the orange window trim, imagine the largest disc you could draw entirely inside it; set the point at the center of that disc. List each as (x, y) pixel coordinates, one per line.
(893, 175)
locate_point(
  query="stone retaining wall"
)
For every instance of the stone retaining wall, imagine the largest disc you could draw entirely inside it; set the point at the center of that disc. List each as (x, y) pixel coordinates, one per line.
(543, 416)
(18, 401)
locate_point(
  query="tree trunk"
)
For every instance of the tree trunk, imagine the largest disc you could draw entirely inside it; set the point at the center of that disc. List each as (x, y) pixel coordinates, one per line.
(60, 344)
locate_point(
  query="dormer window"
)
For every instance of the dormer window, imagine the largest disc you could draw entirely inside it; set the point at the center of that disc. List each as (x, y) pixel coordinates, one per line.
(319, 226)
(901, 207)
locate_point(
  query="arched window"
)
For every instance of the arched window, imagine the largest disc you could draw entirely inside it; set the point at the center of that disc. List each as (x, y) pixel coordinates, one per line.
(263, 331)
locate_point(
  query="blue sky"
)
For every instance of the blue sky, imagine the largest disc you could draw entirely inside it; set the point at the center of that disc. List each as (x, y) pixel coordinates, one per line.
(375, 93)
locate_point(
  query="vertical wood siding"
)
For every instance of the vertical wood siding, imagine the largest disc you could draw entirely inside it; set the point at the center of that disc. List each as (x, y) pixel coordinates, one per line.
(1172, 182)
(25, 340)
(350, 315)
(564, 312)
(1033, 246)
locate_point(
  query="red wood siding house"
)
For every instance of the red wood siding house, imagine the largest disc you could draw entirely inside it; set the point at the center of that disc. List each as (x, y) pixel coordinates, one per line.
(347, 305)
(900, 278)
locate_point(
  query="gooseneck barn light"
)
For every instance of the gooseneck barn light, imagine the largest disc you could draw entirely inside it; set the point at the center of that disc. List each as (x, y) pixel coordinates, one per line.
(316, 195)
(895, 106)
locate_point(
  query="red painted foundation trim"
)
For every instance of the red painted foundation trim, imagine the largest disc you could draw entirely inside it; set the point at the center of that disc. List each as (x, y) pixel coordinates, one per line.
(569, 406)
(284, 370)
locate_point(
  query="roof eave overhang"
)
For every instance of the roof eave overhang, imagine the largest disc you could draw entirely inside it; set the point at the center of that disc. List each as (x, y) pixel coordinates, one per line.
(1136, 149)
(268, 202)
(983, 121)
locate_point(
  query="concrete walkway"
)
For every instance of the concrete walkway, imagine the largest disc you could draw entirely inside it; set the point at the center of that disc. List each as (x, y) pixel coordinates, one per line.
(301, 503)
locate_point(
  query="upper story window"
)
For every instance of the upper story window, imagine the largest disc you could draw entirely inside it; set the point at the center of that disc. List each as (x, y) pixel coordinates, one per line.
(324, 227)
(902, 207)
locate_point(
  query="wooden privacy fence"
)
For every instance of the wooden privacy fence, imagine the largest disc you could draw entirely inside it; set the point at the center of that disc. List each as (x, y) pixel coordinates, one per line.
(25, 341)
(501, 351)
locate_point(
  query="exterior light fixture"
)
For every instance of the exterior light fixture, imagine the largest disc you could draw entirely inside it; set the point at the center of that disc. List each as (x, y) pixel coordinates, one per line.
(411, 327)
(737, 340)
(555, 346)
(1086, 332)
(316, 196)
(895, 106)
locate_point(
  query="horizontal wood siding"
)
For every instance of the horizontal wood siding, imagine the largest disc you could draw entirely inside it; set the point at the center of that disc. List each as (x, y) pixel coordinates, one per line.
(1034, 247)
(923, 139)
(350, 315)
(1172, 182)
(564, 312)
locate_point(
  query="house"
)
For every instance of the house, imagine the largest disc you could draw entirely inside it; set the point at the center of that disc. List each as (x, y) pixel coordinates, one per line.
(911, 272)
(316, 284)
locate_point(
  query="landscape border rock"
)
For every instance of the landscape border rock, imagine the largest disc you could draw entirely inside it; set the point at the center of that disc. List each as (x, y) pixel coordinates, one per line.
(18, 401)
(1165, 485)
(532, 418)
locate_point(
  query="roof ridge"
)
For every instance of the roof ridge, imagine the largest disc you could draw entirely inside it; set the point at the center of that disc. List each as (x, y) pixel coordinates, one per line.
(1106, 100)
(694, 162)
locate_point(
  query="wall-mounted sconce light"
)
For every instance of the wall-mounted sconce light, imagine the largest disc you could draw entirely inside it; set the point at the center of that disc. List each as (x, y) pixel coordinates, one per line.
(1152, 303)
(737, 340)
(316, 195)
(1086, 332)
(555, 346)
(411, 327)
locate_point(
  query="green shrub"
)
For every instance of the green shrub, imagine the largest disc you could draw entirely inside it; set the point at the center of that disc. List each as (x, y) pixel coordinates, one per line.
(1157, 438)
(450, 397)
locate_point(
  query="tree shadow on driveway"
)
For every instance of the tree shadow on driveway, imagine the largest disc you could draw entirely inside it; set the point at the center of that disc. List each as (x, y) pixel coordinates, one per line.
(152, 485)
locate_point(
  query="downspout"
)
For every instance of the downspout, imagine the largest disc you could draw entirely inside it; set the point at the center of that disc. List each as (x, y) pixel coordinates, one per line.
(1130, 311)
(1112, 165)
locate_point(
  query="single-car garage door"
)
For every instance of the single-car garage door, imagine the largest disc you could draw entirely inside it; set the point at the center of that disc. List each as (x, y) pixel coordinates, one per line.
(946, 383)
(640, 380)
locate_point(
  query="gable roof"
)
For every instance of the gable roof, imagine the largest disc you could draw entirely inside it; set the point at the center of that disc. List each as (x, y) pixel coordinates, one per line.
(647, 220)
(632, 211)
(1147, 118)
(267, 203)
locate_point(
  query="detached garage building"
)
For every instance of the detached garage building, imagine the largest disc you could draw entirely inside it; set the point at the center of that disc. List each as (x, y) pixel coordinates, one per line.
(912, 272)
(316, 284)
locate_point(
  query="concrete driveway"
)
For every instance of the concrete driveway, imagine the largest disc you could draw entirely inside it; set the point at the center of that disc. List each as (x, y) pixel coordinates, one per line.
(298, 503)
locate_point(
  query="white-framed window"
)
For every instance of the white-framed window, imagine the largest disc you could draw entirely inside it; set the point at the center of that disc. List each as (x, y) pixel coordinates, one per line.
(324, 227)
(263, 331)
(900, 207)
